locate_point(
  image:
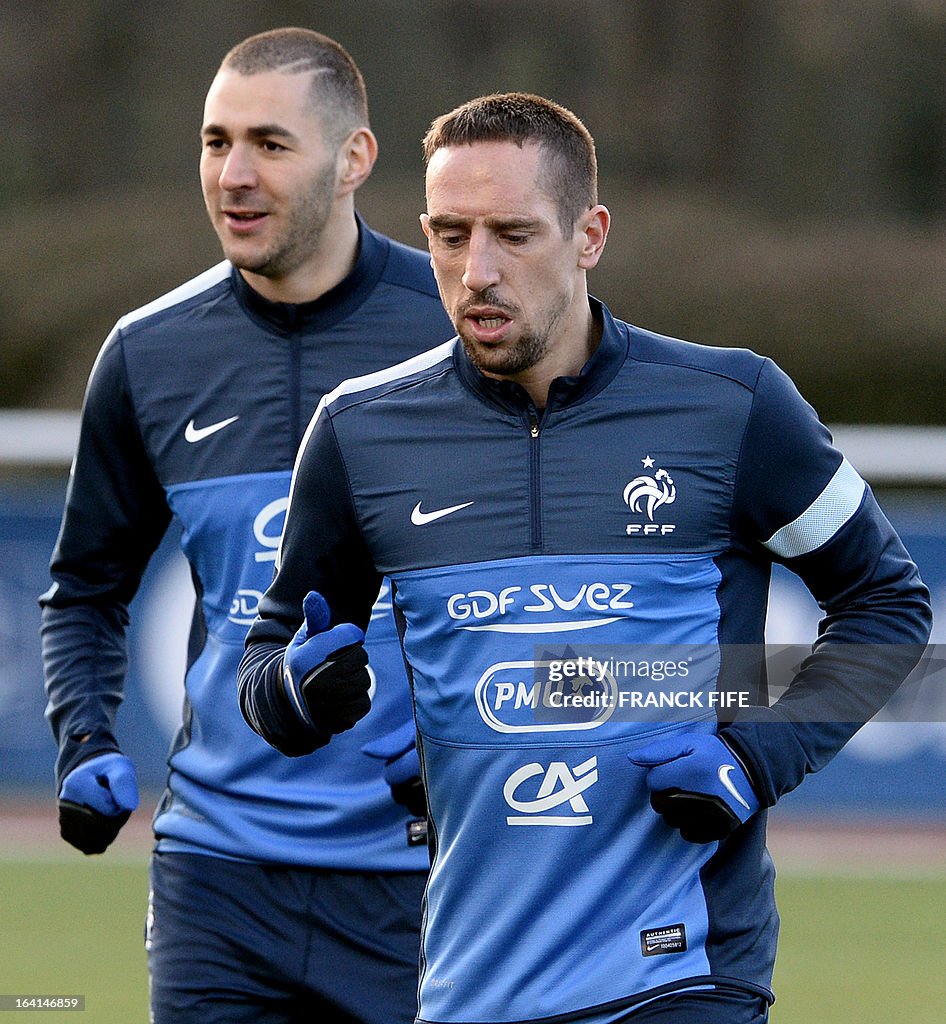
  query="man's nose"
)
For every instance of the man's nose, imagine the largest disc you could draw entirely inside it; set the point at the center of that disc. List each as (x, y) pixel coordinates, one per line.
(238, 170)
(482, 265)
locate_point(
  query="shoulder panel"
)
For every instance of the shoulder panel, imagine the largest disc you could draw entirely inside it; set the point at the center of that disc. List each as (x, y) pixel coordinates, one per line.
(192, 289)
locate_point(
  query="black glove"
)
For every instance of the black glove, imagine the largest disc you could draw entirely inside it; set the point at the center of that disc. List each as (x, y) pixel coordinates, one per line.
(398, 750)
(96, 799)
(697, 784)
(325, 671)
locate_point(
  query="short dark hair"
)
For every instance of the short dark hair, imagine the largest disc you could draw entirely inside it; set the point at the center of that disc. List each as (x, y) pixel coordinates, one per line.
(571, 177)
(338, 90)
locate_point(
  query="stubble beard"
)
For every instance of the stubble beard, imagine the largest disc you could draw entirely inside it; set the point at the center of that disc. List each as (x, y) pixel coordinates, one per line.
(515, 358)
(306, 220)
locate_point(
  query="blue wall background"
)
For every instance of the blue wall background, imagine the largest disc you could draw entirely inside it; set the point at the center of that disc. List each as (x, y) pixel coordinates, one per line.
(891, 770)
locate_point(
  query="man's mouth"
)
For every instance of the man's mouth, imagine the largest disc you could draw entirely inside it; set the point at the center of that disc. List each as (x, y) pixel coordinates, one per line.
(487, 326)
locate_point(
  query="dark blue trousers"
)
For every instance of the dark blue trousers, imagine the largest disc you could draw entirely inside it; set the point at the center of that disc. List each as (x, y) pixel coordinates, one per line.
(234, 943)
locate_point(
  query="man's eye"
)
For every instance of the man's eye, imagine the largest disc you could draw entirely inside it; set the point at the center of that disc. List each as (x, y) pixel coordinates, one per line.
(272, 147)
(216, 144)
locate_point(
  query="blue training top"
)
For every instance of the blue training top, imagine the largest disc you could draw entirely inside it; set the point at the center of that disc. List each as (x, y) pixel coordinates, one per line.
(633, 521)
(195, 409)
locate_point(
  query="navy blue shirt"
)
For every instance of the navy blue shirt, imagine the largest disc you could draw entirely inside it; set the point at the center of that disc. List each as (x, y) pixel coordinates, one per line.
(195, 409)
(635, 520)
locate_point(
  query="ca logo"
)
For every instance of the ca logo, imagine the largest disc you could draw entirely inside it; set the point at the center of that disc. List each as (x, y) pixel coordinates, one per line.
(559, 785)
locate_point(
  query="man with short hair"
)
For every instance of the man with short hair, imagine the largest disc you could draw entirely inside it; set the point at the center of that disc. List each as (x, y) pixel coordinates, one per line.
(283, 891)
(572, 511)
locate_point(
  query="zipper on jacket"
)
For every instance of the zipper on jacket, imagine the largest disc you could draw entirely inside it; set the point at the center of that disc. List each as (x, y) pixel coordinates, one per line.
(535, 481)
(296, 426)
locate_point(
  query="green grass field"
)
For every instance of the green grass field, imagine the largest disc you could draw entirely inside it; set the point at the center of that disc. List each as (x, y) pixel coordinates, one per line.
(853, 950)
(861, 951)
(75, 927)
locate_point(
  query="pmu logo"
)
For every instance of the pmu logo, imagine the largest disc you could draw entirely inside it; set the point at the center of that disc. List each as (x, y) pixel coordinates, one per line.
(560, 785)
(644, 495)
(518, 696)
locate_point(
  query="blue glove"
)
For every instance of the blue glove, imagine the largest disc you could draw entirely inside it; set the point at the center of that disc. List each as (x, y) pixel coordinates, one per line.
(398, 750)
(325, 671)
(697, 784)
(96, 799)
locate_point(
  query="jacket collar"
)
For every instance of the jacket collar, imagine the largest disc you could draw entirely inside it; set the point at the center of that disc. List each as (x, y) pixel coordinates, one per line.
(329, 309)
(595, 375)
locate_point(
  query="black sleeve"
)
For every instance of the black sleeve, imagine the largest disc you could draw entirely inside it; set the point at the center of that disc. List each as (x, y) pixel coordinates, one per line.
(322, 549)
(115, 515)
(809, 508)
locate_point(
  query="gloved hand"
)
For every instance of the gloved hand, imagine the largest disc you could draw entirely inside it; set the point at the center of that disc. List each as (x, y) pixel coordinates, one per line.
(398, 750)
(96, 799)
(697, 784)
(325, 671)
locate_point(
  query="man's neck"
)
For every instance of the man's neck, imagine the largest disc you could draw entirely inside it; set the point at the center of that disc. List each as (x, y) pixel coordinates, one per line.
(566, 359)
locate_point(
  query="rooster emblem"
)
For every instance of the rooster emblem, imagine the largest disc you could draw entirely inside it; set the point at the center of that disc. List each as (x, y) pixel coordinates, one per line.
(650, 492)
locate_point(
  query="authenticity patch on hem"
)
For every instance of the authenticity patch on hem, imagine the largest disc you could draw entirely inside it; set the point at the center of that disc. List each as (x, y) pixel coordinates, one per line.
(670, 939)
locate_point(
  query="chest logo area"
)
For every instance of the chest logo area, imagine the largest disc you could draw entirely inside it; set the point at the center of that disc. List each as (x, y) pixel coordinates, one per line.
(645, 495)
(560, 785)
(421, 518)
(193, 433)
(539, 607)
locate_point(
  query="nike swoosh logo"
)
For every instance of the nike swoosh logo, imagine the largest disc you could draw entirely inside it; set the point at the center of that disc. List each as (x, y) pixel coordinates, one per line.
(194, 434)
(723, 773)
(419, 518)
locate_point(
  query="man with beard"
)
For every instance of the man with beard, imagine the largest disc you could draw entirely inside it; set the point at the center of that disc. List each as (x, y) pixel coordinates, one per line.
(282, 891)
(594, 866)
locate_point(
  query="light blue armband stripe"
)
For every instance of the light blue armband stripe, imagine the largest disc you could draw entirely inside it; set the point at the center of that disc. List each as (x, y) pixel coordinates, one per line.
(833, 507)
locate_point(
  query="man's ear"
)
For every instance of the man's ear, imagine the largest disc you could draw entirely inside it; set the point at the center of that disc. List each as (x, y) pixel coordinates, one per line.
(593, 227)
(356, 158)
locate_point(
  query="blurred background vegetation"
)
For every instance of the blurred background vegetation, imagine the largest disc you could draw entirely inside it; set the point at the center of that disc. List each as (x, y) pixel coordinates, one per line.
(776, 168)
